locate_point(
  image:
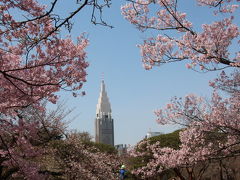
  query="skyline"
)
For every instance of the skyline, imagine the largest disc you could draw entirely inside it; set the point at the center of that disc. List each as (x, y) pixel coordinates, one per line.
(134, 93)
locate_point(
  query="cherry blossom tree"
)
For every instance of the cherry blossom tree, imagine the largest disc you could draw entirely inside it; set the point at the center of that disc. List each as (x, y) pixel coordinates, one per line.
(44, 149)
(177, 38)
(80, 160)
(211, 127)
(25, 138)
(35, 63)
(211, 131)
(227, 83)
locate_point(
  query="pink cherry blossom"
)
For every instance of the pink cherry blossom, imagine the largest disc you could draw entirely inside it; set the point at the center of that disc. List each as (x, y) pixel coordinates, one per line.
(208, 48)
(210, 129)
(36, 62)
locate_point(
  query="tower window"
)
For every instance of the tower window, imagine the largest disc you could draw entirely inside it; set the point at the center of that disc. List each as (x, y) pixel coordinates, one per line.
(106, 116)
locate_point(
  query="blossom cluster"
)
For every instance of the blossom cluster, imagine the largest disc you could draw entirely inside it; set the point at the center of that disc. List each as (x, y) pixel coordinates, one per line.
(35, 61)
(210, 129)
(207, 50)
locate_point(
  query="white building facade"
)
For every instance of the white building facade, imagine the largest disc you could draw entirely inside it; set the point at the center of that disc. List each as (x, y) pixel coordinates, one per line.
(104, 126)
(152, 134)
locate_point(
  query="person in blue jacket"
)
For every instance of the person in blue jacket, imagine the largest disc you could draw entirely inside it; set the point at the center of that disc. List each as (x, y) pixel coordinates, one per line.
(122, 172)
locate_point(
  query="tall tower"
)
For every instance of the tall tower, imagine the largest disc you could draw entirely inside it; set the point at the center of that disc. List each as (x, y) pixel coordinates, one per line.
(104, 129)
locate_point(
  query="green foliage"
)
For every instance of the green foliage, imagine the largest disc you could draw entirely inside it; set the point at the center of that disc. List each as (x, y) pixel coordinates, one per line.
(167, 140)
(170, 140)
(102, 147)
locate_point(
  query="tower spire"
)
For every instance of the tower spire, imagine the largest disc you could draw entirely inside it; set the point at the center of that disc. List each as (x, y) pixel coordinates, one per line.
(103, 106)
(104, 127)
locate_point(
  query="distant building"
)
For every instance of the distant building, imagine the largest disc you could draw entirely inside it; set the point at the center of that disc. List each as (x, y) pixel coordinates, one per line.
(104, 127)
(152, 134)
(121, 148)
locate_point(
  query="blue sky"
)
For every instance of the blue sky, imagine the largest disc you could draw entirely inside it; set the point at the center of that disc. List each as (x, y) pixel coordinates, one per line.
(134, 93)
